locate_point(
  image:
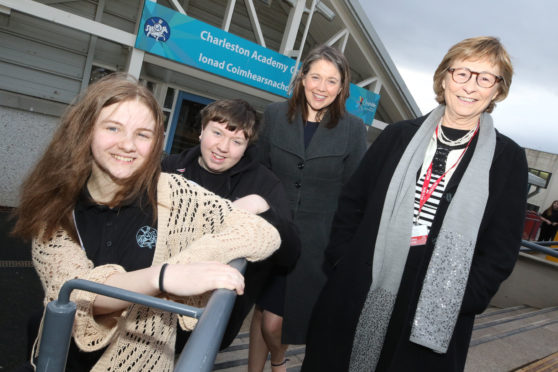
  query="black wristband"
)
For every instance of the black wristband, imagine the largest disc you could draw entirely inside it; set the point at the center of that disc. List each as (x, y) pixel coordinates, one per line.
(162, 276)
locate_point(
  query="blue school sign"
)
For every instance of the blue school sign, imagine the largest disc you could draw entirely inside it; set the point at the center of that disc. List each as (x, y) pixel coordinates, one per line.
(178, 37)
(186, 40)
(362, 103)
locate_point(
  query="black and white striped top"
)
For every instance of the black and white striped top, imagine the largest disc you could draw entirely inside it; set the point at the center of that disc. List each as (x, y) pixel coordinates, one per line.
(443, 157)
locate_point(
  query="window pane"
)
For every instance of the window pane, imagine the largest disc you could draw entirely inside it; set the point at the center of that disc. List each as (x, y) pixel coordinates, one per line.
(169, 98)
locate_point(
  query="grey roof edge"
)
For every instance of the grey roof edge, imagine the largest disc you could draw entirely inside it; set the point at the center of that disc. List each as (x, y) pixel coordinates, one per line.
(536, 180)
(376, 43)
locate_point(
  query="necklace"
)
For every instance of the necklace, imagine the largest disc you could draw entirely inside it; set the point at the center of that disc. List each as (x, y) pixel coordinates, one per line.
(457, 142)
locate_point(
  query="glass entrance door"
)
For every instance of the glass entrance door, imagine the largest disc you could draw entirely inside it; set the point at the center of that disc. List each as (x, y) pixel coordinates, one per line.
(186, 123)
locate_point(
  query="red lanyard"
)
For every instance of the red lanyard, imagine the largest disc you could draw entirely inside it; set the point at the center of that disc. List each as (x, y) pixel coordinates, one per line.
(426, 191)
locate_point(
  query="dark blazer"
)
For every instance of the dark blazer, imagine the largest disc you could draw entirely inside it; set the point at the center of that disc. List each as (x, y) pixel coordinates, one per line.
(313, 178)
(351, 250)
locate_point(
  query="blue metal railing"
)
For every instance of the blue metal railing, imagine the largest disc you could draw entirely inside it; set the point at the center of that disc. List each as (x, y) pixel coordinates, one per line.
(198, 354)
(540, 247)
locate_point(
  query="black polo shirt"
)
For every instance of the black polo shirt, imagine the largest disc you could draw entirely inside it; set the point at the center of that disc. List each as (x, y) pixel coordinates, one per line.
(124, 235)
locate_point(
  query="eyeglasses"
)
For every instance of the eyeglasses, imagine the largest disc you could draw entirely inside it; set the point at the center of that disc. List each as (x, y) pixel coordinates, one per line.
(484, 79)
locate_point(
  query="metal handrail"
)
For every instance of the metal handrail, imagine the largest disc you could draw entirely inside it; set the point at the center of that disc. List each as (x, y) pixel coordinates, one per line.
(541, 247)
(198, 354)
(547, 243)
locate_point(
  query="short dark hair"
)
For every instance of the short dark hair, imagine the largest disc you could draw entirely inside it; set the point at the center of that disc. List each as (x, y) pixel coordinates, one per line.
(236, 113)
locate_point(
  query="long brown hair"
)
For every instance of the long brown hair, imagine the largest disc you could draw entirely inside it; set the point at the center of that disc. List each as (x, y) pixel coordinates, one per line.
(548, 211)
(51, 190)
(336, 109)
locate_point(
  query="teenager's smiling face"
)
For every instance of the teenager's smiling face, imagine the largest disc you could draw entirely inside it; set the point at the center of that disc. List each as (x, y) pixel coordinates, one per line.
(221, 149)
(122, 140)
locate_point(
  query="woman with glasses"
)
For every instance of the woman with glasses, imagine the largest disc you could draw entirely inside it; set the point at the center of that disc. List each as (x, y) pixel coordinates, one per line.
(426, 229)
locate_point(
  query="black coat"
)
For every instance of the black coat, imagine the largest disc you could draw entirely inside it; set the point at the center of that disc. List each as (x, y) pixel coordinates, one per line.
(351, 250)
(548, 231)
(313, 178)
(247, 177)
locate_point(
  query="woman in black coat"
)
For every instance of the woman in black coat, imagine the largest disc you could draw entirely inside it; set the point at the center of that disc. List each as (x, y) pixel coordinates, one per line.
(313, 145)
(426, 229)
(549, 224)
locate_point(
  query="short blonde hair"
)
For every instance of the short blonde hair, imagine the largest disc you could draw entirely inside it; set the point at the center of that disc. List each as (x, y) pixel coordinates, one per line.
(482, 47)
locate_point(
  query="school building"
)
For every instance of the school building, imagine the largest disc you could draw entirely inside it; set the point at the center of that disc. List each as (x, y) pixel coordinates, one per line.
(188, 52)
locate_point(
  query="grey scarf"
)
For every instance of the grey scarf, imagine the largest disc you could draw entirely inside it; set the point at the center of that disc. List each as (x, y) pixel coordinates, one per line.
(448, 270)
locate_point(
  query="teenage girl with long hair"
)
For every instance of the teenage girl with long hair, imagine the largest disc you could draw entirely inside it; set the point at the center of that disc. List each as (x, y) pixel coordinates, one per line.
(97, 207)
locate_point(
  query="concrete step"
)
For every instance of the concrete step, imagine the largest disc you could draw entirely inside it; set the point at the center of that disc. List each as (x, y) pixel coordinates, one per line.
(506, 324)
(506, 339)
(494, 312)
(235, 357)
(548, 364)
(503, 340)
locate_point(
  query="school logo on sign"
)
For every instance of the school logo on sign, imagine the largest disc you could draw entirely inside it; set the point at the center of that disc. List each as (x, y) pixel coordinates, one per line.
(157, 28)
(146, 237)
(362, 103)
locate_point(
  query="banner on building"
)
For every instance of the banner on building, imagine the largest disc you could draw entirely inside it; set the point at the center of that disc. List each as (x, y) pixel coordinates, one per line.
(186, 40)
(362, 103)
(178, 37)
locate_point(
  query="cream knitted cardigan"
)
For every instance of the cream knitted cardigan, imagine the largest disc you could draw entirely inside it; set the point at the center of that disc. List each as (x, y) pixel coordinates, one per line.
(193, 225)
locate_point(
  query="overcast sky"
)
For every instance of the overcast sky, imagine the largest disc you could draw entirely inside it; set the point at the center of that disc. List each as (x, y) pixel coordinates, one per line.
(417, 34)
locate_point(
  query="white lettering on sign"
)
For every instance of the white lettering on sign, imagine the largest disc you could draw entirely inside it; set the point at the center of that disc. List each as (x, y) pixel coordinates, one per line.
(269, 61)
(223, 43)
(238, 70)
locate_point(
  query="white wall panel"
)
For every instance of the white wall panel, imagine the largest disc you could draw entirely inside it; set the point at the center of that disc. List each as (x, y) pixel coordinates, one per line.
(35, 83)
(23, 138)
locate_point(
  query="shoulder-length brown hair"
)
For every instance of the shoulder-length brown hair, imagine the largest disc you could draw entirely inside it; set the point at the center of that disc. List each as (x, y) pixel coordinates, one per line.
(51, 190)
(298, 103)
(548, 211)
(476, 48)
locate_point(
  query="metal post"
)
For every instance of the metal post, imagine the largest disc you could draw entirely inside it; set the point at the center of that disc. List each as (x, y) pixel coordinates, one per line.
(203, 345)
(55, 340)
(304, 34)
(540, 248)
(59, 319)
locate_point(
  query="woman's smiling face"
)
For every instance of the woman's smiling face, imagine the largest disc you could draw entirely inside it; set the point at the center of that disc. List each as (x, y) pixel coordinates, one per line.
(322, 84)
(465, 102)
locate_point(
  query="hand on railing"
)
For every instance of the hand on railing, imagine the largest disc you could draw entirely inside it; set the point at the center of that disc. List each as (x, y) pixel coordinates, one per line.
(200, 351)
(208, 276)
